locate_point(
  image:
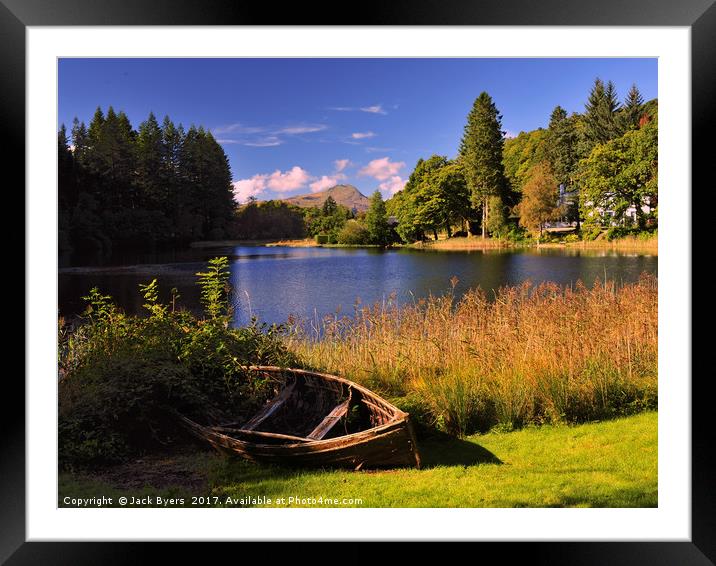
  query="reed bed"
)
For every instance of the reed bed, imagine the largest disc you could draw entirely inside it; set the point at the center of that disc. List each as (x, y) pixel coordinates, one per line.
(474, 243)
(627, 243)
(511, 357)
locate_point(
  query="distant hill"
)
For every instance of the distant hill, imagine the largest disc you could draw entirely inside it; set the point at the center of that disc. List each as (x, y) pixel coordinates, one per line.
(347, 195)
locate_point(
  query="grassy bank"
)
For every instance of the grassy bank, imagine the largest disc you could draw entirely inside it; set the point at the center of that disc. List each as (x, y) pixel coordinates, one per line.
(606, 464)
(302, 243)
(629, 243)
(524, 355)
(457, 244)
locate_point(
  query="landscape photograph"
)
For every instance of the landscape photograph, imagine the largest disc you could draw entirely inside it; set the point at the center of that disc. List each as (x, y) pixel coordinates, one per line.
(357, 282)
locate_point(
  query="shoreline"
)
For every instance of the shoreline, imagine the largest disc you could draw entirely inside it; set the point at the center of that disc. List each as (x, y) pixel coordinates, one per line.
(454, 244)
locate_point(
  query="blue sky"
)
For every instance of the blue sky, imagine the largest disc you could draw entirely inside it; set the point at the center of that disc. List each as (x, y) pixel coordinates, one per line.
(292, 126)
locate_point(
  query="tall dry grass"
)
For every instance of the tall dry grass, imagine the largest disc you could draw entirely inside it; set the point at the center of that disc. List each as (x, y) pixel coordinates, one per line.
(627, 243)
(519, 355)
(473, 243)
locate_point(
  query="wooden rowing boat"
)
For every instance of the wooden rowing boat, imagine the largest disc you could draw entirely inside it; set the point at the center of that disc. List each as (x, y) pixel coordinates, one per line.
(317, 419)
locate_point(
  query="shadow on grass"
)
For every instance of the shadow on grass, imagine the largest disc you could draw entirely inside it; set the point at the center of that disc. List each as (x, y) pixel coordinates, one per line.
(440, 449)
(619, 498)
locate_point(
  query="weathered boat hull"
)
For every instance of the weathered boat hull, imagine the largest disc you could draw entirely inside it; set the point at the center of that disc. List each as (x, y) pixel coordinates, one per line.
(388, 443)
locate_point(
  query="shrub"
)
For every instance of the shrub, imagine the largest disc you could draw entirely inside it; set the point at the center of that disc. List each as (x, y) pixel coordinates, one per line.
(353, 234)
(518, 234)
(123, 378)
(617, 232)
(322, 239)
(590, 231)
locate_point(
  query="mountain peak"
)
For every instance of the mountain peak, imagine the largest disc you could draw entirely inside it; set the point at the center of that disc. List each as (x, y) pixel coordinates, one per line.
(346, 195)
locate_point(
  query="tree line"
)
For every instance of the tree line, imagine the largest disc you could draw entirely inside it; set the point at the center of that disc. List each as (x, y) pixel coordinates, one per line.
(331, 223)
(597, 170)
(158, 184)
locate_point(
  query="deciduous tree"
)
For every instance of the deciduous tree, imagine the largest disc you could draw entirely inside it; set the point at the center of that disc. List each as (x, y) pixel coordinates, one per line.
(539, 199)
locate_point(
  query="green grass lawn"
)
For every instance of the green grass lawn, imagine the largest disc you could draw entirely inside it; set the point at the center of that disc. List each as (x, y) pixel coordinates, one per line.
(605, 464)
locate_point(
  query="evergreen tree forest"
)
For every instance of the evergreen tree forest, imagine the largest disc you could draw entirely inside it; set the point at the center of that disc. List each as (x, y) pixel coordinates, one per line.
(158, 184)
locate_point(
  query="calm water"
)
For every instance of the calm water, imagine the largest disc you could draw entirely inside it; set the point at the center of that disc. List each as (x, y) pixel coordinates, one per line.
(274, 283)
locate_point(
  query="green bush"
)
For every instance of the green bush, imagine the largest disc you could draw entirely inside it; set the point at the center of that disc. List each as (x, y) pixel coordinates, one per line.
(590, 231)
(124, 378)
(518, 234)
(322, 239)
(617, 232)
(353, 234)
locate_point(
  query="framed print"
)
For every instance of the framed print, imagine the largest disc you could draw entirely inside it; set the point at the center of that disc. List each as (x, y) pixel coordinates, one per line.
(406, 263)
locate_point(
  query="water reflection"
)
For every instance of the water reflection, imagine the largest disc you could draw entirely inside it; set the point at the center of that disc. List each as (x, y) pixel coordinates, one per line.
(272, 283)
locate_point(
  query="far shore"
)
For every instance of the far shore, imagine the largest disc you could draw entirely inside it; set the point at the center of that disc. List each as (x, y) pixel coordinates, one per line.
(477, 243)
(226, 243)
(649, 245)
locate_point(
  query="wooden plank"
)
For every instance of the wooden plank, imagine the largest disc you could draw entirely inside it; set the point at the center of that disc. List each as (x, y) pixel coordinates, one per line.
(270, 408)
(378, 409)
(257, 434)
(330, 421)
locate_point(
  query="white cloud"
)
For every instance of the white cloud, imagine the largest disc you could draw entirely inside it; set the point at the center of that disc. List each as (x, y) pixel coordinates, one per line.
(341, 164)
(326, 182)
(305, 129)
(252, 187)
(376, 109)
(279, 181)
(262, 136)
(294, 178)
(238, 128)
(268, 141)
(381, 169)
(392, 186)
(362, 135)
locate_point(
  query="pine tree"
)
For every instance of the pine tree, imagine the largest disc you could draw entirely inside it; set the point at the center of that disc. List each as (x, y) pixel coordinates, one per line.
(632, 110)
(156, 184)
(206, 175)
(220, 194)
(149, 150)
(66, 190)
(481, 154)
(79, 140)
(65, 174)
(171, 177)
(600, 114)
(562, 140)
(329, 206)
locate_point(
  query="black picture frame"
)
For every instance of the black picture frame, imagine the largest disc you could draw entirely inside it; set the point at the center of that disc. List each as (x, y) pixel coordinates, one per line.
(699, 15)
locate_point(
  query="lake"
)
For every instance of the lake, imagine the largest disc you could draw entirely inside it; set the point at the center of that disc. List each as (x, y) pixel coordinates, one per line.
(273, 283)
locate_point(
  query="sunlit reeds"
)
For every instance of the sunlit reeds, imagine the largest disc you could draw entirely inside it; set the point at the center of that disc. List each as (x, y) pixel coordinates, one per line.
(514, 356)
